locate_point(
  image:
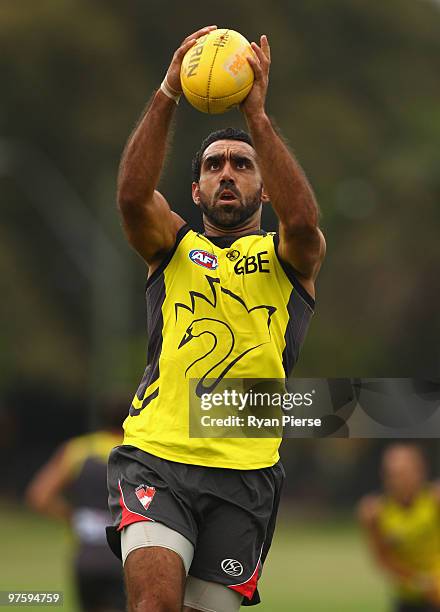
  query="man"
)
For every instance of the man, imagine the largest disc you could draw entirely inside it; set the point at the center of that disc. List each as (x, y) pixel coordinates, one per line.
(71, 487)
(403, 528)
(233, 302)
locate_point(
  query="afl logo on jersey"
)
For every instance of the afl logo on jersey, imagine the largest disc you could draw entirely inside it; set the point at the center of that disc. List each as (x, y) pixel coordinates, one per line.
(203, 258)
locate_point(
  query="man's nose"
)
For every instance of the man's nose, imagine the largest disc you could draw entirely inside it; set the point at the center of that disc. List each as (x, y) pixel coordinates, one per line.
(227, 173)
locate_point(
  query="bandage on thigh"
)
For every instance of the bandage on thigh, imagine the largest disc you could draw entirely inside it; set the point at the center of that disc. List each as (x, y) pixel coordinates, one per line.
(144, 534)
(210, 596)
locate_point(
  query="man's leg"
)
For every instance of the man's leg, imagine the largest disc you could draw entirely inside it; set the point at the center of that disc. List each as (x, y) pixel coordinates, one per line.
(156, 562)
(167, 593)
(155, 580)
(234, 537)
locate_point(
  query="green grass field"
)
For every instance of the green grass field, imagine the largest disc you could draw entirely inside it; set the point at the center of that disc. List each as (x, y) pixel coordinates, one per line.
(313, 566)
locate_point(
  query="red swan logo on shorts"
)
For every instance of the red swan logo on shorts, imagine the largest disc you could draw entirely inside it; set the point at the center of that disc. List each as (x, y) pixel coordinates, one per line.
(204, 258)
(145, 495)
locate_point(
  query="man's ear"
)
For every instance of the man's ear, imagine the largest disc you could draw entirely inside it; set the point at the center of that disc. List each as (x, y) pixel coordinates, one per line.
(265, 197)
(195, 193)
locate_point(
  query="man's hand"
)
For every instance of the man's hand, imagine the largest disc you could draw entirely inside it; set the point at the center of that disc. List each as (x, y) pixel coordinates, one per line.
(260, 64)
(173, 72)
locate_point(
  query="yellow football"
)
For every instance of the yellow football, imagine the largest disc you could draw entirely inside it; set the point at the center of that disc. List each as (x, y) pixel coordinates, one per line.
(215, 73)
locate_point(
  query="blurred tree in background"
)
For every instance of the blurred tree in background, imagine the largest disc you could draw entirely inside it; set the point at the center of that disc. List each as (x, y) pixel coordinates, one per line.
(354, 89)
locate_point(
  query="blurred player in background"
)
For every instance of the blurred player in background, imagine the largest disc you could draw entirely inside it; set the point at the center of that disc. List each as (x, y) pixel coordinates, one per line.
(206, 507)
(403, 528)
(72, 486)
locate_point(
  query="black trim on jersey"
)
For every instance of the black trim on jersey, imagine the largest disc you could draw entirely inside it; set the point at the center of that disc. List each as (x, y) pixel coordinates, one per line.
(300, 314)
(225, 242)
(291, 275)
(155, 295)
(135, 411)
(163, 264)
(151, 397)
(155, 299)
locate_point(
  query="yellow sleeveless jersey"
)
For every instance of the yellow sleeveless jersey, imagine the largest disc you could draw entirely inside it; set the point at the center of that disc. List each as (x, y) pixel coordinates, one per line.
(216, 308)
(97, 444)
(413, 534)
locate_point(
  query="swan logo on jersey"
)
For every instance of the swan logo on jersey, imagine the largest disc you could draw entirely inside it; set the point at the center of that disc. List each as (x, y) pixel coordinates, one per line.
(216, 360)
(145, 495)
(232, 567)
(203, 258)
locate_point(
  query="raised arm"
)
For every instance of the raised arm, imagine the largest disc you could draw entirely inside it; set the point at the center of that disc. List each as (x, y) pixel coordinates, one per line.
(149, 223)
(302, 243)
(45, 492)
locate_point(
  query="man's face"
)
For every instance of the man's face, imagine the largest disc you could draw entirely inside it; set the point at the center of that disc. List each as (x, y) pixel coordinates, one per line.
(230, 188)
(403, 472)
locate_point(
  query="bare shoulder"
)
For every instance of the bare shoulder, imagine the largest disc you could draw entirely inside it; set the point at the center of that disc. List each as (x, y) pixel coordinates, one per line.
(305, 252)
(177, 224)
(151, 226)
(306, 264)
(163, 206)
(368, 509)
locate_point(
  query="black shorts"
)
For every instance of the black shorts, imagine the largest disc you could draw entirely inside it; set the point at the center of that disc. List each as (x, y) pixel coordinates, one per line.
(228, 515)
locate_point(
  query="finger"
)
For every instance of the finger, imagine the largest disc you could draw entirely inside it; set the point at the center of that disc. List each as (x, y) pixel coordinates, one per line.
(259, 54)
(184, 47)
(256, 66)
(265, 46)
(201, 32)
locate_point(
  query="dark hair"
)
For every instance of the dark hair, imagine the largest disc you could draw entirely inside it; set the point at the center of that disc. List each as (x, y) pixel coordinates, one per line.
(229, 133)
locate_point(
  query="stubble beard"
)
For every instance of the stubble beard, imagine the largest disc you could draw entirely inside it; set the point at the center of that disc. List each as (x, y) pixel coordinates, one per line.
(227, 216)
